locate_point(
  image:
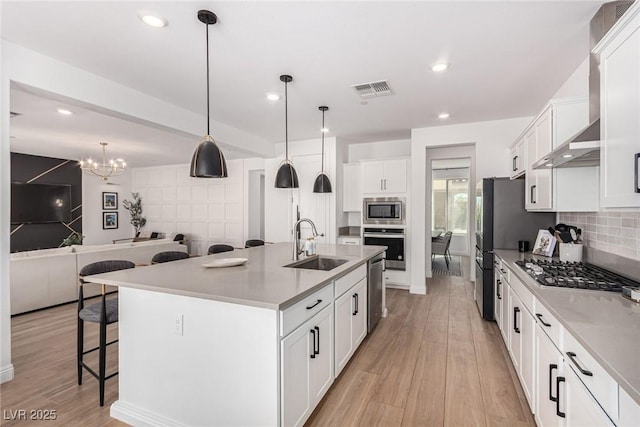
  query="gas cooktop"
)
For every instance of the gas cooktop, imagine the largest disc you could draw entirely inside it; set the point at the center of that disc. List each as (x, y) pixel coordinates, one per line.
(574, 275)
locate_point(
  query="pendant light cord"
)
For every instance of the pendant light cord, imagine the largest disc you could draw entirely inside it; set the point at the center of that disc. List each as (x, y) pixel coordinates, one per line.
(286, 123)
(322, 141)
(208, 115)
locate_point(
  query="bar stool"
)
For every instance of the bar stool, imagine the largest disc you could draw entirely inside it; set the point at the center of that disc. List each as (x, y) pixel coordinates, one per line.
(216, 249)
(104, 313)
(253, 243)
(168, 256)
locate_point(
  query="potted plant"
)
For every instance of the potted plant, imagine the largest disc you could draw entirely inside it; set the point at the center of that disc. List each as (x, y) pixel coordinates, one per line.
(73, 239)
(135, 209)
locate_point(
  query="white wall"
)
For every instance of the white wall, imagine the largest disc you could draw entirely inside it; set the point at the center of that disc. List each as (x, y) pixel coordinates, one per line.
(577, 84)
(92, 189)
(379, 150)
(279, 203)
(255, 205)
(207, 211)
(252, 166)
(492, 139)
(6, 368)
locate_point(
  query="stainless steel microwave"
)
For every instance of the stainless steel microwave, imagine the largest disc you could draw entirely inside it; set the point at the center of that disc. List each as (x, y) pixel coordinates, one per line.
(383, 210)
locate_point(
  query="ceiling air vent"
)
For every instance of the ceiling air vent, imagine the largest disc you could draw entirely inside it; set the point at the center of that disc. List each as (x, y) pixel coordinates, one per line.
(13, 114)
(369, 90)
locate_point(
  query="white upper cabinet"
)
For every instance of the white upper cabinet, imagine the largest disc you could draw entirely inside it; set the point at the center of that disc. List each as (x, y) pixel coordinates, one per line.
(352, 187)
(620, 112)
(518, 159)
(384, 176)
(563, 189)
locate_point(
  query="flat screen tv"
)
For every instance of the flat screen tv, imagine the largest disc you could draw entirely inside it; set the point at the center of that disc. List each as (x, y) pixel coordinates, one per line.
(40, 203)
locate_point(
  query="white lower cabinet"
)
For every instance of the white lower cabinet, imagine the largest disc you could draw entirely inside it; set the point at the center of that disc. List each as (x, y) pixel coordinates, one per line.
(351, 323)
(307, 367)
(522, 344)
(498, 298)
(549, 364)
(580, 409)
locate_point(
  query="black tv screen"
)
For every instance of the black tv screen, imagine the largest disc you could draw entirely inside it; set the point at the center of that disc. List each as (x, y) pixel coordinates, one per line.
(40, 203)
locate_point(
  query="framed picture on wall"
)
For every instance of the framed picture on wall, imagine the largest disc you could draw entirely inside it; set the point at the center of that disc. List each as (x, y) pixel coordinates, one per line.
(109, 201)
(109, 220)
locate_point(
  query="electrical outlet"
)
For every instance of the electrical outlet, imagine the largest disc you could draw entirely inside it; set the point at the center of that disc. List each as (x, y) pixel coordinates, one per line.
(178, 327)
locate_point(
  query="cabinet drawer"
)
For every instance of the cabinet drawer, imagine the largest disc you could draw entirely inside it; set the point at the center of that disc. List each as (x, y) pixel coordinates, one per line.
(349, 240)
(548, 324)
(344, 283)
(297, 314)
(603, 388)
(523, 293)
(504, 270)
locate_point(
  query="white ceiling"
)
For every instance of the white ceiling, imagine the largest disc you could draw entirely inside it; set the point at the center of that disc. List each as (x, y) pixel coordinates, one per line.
(507, 58)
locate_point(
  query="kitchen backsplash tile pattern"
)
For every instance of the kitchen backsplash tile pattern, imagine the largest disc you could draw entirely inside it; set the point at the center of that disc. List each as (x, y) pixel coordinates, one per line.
(614, 232)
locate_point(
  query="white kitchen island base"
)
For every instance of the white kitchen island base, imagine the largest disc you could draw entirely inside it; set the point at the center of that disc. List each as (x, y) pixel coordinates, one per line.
(223, 367)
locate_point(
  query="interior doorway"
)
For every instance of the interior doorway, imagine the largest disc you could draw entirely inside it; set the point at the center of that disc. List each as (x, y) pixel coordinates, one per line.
(448, 212)
(256, 204)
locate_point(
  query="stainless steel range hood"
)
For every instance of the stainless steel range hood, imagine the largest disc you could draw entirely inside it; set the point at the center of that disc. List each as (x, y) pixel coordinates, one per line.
(583, 148)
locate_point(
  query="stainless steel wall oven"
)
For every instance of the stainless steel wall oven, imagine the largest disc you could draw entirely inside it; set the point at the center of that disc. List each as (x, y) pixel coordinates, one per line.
(393, 239)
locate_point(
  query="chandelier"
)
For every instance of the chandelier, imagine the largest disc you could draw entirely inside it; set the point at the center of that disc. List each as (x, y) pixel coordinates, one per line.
(105, 169)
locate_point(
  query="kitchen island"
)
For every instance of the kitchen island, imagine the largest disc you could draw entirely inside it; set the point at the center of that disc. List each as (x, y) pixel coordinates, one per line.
(245, 345)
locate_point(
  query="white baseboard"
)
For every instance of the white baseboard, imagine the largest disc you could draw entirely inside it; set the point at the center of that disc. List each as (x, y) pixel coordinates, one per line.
(403, 286)
(136, 416)
(6, 373)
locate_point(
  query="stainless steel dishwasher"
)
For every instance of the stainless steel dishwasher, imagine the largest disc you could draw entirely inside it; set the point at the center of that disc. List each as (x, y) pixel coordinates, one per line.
(374, 290)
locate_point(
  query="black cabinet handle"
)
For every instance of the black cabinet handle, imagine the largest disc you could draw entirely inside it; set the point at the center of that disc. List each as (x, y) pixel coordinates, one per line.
(499, 282)
(583, 371)
(531, 193)
(558, 412)
(356, 298)
(313, 352)
(636, 185)
(311, 306)
(515, 168)
(551, 368)
(503, 271)
(317, 336)
(539, 316)
(516, 310)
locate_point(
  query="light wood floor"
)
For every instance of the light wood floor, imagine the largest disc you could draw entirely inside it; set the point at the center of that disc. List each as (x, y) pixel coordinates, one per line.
(432, 362)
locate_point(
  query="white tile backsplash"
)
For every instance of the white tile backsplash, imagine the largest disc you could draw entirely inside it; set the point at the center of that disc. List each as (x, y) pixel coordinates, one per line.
(613, 232)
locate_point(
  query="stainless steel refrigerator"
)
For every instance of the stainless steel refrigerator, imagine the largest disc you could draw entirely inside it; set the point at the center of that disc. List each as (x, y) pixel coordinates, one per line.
(501, 221)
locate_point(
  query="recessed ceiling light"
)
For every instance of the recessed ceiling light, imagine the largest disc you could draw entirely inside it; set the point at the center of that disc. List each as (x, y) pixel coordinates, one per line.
(64, 111)
(273, 96)
(443, 116)
(566, 156)
(152, 19)
(549, 165)
(324, 130)
(441, 66)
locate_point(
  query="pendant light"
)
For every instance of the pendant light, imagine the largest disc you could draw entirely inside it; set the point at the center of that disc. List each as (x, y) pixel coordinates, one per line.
(322, 184)
(286, 176)
(208, 161)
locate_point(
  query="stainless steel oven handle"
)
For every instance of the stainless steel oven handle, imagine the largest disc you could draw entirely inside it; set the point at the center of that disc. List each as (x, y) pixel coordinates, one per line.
(385, 236)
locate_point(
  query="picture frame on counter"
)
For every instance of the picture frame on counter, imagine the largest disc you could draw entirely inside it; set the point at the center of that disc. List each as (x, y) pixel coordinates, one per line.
(109, 201)
(545, 244)
(109, 220)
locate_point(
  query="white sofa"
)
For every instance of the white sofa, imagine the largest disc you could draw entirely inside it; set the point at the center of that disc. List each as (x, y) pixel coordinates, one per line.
(48, 277)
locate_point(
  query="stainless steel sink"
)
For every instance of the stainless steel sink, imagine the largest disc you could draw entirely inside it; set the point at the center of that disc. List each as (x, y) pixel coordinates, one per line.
(318, 263)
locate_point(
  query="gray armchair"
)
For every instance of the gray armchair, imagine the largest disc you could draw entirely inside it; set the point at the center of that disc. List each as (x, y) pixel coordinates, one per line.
(440, 246)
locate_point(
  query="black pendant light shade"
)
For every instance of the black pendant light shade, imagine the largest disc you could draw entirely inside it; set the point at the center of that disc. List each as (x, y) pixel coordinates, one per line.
(286, 177)
(208, 161)
(322, 183)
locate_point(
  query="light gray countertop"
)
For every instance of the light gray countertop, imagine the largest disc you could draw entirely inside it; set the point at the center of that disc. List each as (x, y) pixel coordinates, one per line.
(605, 323)
(262, 282)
